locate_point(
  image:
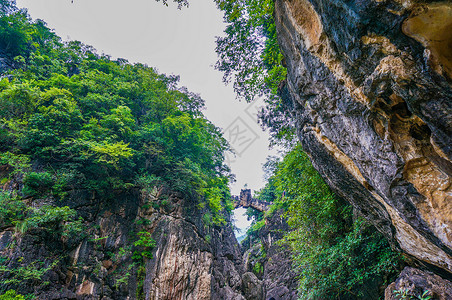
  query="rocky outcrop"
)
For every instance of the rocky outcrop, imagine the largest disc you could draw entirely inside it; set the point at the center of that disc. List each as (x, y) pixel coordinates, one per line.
(252, 287)
(419, 284)
(279, 279)
(190, 259)
(272, 261)
(369, 85)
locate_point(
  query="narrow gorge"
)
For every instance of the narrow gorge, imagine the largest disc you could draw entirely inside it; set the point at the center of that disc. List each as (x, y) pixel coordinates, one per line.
(113, 183)
(369, 84)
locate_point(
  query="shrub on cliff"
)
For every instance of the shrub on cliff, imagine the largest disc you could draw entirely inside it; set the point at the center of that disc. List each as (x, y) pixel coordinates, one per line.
(11, 295)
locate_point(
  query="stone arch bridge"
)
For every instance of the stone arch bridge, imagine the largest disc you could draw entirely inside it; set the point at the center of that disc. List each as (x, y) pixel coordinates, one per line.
(246, 200)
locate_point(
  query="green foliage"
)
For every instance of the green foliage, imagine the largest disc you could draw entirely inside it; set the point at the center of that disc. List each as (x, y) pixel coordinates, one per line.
(405, 294)
(11, 295)
(11, 209)
(359, 256)
(207, 219)
(208, 238)
(258, 225)
(88, 122)
(252, 234)
(145, 244)
(249, 55)
(19, 163)
(141, 276)
(218, 197)
(122, 280)
(30, 273)
(333, 255)
(59, 222)
(111, 153)
(71, 119)
(7, 6)
(37, 184)
(258, 268)
(245, 53)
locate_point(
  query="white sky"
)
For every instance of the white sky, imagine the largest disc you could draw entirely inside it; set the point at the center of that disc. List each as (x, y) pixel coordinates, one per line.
(179, 42)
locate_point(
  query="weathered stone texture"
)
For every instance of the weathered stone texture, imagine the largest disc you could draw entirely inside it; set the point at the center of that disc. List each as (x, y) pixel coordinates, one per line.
(416, 283)
(186, 264)
(279, 279)
(370, 86)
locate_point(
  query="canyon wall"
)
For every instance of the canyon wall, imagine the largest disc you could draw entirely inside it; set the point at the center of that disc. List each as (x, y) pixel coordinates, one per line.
(190, 259)
(369, 86)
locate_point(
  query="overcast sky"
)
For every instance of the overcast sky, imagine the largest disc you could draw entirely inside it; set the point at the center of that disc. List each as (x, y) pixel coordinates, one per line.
(179, 42)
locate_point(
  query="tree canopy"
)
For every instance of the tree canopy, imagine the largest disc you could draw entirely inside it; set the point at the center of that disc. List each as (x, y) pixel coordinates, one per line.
(250, 57)
(73, 119)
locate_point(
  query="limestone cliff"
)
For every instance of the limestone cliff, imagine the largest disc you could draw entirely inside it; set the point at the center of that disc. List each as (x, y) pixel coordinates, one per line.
(190, 260)
(369, 83)
(278, 276)
(268, 263)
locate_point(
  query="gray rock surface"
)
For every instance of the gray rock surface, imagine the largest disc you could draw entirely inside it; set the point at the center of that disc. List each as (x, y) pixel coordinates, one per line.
(417, 283)
(369, 87)
(279, 279)
(252, 287)
(190, 260)
(270, 261)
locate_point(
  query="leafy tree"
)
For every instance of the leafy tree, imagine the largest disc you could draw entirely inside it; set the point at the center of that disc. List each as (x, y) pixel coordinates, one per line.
(59, 222)
(249, 55)
(334, 255)
(11, 209)
(85, 121)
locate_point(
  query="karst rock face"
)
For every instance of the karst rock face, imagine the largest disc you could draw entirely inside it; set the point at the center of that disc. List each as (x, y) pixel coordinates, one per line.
(369, 86)
(190, 260)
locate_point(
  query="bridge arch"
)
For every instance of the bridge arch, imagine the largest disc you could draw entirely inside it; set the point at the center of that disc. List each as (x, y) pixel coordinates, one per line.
(246, 200)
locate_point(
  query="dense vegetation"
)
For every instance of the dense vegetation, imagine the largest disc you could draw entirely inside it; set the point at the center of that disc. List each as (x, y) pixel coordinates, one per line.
(336, 255)
(71, 119)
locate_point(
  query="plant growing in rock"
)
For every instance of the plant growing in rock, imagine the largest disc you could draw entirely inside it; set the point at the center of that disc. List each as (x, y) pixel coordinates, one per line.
(12, 208)
(406, 294)
(11, 295)
(58, 222)
(145, 244)
(333, 254)
(124, 279)
(31, 273)
(37, 184)
(250, 57)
